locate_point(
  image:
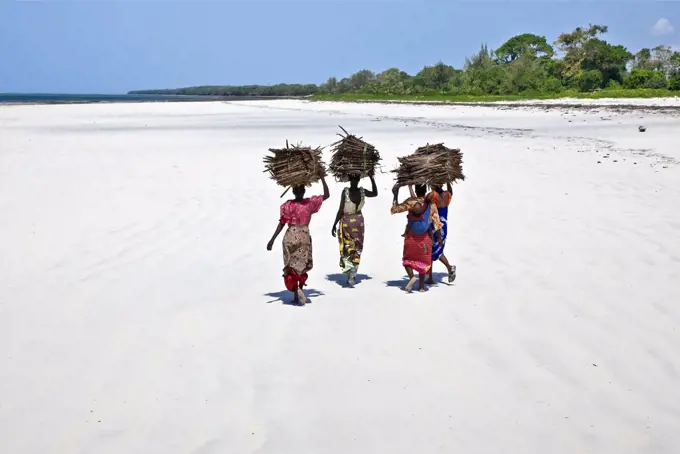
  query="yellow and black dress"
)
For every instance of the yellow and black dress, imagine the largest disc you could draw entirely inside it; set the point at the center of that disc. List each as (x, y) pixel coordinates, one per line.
(351, 235)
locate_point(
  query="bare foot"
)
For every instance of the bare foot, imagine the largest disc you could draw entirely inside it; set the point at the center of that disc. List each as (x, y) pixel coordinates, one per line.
(302, 297)
(409, 285)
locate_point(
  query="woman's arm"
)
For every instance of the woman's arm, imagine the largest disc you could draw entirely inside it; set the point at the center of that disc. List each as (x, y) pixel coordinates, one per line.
(339, 215)
(404, 206)
(326, 192)
(276, 233)
(449, 188)
(434, 218)
(395, 193)
(410, 188)
(374, 188)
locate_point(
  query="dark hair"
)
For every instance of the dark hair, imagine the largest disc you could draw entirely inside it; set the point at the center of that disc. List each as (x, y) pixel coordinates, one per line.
(421, 190)
(299, 191)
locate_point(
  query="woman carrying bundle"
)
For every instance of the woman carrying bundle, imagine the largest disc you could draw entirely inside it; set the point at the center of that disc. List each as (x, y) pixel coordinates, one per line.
(297, 242)
(441, 199)
(351, 221)
(418, 237)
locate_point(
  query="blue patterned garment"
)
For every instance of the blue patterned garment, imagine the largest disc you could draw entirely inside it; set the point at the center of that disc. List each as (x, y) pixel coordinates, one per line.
(420, 225)
(438, 251)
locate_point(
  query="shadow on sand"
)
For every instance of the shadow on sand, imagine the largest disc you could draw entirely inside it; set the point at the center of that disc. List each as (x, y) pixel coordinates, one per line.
(341, 279)
(441, 278)
(398, 283)
(438, 278)
(286, 297)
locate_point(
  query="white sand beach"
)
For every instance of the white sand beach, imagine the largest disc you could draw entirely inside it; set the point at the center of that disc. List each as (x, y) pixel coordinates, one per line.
(141, 313)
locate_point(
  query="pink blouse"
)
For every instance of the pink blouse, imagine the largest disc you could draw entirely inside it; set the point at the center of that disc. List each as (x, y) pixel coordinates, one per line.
(300, 213)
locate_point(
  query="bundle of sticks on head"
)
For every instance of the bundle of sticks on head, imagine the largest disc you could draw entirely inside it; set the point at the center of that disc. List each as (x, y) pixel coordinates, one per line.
(295, 165)
(430, 164)
(352, 157)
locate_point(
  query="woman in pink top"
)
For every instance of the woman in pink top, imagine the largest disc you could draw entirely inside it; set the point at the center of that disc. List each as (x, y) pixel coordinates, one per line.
(297, 242)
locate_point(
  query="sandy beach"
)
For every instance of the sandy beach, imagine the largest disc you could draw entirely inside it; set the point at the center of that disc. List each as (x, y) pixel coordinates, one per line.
(141, 312)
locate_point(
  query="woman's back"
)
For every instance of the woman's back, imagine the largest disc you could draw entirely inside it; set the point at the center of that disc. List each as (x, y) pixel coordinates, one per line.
(354, 201)
(441, 199)
(299, 212)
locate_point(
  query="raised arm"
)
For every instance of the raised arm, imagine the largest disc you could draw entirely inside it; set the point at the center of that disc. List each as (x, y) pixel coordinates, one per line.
(339, 215)
(405, 205)
(449, 188)
(326, 192)
(374, 188)
(410, 189)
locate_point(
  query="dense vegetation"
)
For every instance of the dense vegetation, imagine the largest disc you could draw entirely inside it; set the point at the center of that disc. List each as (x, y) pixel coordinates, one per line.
(526, 66)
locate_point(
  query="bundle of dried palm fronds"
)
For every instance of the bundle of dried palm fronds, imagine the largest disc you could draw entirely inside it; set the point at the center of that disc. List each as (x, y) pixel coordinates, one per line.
(352, 156)
(455, 168)
(431, 164)
(295, 165)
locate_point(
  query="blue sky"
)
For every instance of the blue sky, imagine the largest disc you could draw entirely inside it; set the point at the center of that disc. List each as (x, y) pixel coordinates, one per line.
(115, 46)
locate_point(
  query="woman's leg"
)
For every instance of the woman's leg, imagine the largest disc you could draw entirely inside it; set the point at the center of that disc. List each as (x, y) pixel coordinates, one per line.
(411, 279)
(352, 277)
(346, 253)
(306, 253)
(294, 283)
(301, 298)
(430, 279)
(451, 269)
(358, 245)
(435, 247)
(351, 234)
(428, 259)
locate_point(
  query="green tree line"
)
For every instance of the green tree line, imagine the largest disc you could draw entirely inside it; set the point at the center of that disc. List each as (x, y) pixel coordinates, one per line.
(580, 60)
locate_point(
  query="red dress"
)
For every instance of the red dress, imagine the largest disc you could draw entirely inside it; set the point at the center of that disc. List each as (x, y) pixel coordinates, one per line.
(417, 249)
(417, 253)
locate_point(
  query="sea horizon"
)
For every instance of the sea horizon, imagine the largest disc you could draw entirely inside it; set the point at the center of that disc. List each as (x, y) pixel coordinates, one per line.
(83, 98)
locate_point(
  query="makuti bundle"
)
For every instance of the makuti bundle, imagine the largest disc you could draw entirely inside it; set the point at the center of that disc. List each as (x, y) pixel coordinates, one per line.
(430, 164)
(455, 164)
(352, 156)
(295, 165)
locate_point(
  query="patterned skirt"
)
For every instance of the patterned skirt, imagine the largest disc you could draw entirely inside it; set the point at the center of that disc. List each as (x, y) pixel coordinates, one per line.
(438, 251)
(351, 238)
(297, 249)
(417, 252)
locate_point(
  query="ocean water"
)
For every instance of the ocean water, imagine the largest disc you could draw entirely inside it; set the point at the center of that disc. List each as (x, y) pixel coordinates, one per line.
(59, 98)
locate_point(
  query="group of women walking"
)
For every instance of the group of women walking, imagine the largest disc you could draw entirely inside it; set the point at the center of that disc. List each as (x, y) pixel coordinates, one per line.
(424, 238)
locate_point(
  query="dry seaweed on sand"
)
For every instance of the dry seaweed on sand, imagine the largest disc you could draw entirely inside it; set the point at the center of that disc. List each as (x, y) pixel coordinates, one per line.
(431, 164)
(352, 156)
(295, 165)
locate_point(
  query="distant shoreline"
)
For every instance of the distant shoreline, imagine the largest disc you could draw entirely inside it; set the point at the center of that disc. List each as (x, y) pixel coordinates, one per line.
(60, 98)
